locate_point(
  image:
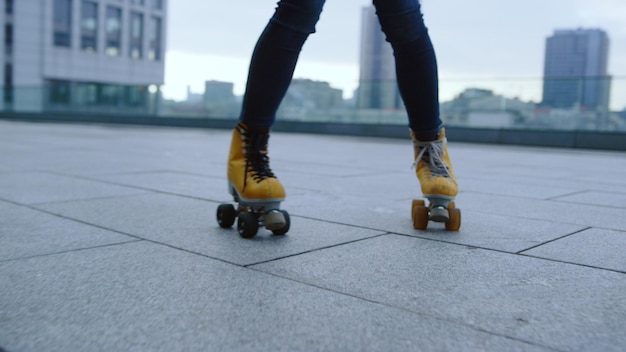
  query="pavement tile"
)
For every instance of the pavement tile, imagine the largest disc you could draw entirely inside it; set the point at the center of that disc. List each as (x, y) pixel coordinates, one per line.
(42, 187)
(565, 307)
(143, 296)
(190, 224)
(26, 232)
(172, 182)
(562, 212)
(502, 232)
(351, 274)
(606, 199)
(594, 247)
(507, 187)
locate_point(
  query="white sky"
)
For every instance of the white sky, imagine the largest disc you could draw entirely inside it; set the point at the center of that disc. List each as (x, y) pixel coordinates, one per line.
(476, 42)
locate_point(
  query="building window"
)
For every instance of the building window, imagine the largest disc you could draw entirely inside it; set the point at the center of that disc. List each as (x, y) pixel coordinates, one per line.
(135, 96)
(62, 23)
(59, 91)
(86, 93)
(136, 35)
(89, 26)
(8, 39)
(154, 53)
(137, 2)
(8, 7)
(157, 4)
(112, 95)
(113, 31)
(8, 83)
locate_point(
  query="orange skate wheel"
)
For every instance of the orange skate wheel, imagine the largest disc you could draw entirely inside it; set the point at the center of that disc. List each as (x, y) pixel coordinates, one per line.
(420, 217)
(417, 203)
(454, 223)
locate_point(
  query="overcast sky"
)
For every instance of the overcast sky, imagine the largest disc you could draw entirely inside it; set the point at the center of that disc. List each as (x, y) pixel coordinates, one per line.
(475, 40)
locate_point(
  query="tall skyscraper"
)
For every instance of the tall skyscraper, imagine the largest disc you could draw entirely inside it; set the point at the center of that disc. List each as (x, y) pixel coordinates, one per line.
(80, 54)
(575, 69)
(378, 88)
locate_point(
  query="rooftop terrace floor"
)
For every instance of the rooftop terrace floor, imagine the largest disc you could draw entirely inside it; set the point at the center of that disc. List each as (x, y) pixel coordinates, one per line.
(109, 242)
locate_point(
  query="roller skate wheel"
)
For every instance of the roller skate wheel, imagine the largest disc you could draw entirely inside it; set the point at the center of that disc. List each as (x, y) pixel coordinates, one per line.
(454, 223)
(274, 220)
(417, 203)
(420, 217)
(226, 215)
(283, 230)
(247, 225)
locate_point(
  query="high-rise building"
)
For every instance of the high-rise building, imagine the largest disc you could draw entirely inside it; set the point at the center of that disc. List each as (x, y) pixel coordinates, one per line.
(81, 54)
(378, 88)
(575, 70)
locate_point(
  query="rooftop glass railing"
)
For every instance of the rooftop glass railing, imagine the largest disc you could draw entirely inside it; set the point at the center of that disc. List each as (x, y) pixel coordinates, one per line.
(559, 104)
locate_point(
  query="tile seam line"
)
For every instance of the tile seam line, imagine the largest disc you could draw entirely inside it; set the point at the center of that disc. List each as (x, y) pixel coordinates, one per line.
(554, 239)
(556, 198)
(423, 314)
(67, 201)
(383, 234)
(576, 264)
(138, 238)
(70, 251)
(145, 189)
(520, 254)
(248, 266)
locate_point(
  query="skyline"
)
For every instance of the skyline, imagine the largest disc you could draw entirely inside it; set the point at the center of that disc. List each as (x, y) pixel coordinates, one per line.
(206, 42)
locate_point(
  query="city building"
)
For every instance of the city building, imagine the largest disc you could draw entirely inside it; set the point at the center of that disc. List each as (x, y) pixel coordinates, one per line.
(378, 88)
(219, 99)
(82, 54)
(306, 99)
(216, 92)
(476, 107)
(575, 70)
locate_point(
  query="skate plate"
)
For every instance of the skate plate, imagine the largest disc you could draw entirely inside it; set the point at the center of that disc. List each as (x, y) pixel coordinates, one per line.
(438, 210)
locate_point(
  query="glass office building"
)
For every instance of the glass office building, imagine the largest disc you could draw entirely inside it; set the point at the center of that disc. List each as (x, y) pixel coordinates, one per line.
(82, 55)
(575, 70)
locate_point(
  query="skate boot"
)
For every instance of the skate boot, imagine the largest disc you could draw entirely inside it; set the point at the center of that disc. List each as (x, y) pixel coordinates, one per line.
(253, 185)
(438, 182)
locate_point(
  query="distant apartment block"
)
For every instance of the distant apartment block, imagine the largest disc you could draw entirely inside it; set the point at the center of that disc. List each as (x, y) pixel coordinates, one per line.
(219, 99)
(378, 88)
(216, 92)
(313, 95)
(575, 70)
(82, 54)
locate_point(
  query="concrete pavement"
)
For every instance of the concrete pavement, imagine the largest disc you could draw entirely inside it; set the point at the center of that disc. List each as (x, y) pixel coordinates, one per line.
(108, 242)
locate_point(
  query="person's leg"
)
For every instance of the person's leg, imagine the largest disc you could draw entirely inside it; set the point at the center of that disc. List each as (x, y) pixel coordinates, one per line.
(251, 181)
(416, 63)
(416, 71)
(274, 59)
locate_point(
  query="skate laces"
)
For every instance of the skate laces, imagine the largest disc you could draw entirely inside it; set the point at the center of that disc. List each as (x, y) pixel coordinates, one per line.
(432, 154)
(257, 160)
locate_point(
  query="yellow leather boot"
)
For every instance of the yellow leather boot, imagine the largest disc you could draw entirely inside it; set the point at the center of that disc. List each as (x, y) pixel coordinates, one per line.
(249, 173)
(253, 185)
(438, 183)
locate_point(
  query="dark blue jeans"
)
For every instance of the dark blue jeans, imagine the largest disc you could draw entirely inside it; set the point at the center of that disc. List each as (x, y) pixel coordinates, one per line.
(277, 50)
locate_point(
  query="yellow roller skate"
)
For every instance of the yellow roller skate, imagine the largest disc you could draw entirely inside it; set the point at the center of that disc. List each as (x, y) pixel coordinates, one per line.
(253, 185)
(438, 182)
